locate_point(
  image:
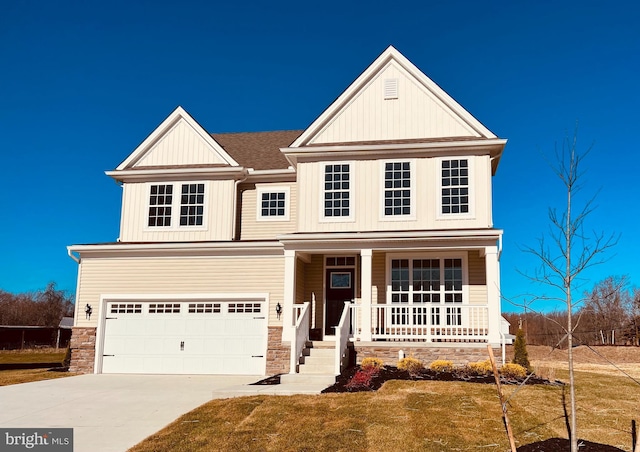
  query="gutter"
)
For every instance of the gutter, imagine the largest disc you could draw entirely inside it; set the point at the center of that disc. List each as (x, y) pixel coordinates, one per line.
(235, 202)
(73, 256)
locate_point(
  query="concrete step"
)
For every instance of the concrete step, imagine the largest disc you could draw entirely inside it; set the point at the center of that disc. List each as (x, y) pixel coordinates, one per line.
(304, 379)
(319, 352)
(315, 368)
(326, 360)
(321, 344)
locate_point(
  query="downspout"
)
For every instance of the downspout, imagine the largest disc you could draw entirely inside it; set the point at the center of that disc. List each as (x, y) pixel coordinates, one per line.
(73, 256)
(235, 203)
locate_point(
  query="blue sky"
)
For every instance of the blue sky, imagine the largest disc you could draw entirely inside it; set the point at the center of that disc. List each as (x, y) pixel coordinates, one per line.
(82, 83)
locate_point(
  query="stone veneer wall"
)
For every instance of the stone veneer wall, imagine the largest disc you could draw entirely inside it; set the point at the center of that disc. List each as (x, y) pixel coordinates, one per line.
(83, 350)
(460, 356)
(277, 353)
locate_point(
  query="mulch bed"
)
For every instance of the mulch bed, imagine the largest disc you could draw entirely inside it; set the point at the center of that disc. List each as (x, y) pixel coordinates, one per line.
(393, 373)
(563, 445)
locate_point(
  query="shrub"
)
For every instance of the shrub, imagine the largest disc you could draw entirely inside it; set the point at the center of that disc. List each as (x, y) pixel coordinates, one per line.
(411, 365)
(441, 365)
(372, 362)
(513, 371)
(520, 354)
(66, 362)
(363, 378)
(480, 368)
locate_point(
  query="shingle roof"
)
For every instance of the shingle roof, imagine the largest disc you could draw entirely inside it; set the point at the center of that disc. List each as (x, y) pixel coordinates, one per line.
(258, 150)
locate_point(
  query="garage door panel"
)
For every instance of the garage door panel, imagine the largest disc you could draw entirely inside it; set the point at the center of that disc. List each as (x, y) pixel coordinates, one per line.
(227, 341)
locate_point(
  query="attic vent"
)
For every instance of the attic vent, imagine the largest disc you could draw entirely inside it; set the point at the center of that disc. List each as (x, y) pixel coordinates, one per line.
(390, 88)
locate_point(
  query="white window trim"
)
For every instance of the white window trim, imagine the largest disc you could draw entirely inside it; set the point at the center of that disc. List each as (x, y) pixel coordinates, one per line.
(273, 189)
(175, 207)
(412, 195)
(352, 204)
(472, 190)
(431, 255)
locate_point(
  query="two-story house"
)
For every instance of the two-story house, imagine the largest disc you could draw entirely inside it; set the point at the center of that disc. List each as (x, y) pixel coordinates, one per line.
(371, 229)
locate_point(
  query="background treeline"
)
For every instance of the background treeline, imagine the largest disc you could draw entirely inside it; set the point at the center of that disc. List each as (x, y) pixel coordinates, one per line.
(42, 308)
(608, 315)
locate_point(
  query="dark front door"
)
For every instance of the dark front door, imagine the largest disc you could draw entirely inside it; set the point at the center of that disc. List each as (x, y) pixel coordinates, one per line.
(340, 288)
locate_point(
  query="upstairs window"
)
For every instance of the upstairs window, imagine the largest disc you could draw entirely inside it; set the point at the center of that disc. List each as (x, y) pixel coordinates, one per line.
(273, 203)
(455, 186)
(337, 191)
(160, 200)
(397, 189)
(192, 205)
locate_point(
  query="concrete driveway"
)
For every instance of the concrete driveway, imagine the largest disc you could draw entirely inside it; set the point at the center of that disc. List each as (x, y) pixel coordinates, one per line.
(111, 413)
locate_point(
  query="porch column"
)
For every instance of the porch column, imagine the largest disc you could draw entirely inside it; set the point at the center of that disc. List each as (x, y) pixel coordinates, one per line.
(365, 292)
(289, 294)
(493, 294)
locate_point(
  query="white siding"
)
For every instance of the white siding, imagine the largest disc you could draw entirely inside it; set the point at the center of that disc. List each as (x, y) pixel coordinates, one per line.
(218, 212)
(416, 113)
(367, 194)
(207, 275)
(252, 228)
(182, 145)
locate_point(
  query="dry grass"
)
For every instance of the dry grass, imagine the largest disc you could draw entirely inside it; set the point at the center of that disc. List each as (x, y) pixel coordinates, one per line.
(404, 415)
(13, 377)
(40, 355)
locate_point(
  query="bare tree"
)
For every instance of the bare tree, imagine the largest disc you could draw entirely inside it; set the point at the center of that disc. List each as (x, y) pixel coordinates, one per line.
(571, 252)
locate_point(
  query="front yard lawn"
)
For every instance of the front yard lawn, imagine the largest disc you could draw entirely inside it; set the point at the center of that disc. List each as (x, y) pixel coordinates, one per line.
(14, 377)
(404, 415)
(45, 355)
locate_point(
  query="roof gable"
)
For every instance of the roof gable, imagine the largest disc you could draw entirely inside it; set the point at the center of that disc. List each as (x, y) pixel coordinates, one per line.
(178, 141)
(392, 100)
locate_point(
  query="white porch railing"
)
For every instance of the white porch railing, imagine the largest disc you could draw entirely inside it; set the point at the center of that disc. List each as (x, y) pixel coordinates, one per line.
(342, 337)
(425, 322)
(300, 336)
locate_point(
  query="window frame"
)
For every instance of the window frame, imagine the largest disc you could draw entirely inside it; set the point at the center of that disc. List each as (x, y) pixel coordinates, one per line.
(412, 191)
(286, 189)
(150, 206)
(176, 206)
(470, 186)
(442, 290)
(337, 219)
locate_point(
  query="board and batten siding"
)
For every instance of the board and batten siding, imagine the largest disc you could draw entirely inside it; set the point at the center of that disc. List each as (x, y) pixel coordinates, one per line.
(218, 214)
(253, 229)
(192, 147)
(367, 195)
(415, 113)
(188, 275)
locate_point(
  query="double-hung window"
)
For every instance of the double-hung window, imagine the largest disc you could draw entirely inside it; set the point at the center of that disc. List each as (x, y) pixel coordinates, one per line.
(337, 202)
(397, 189)
(188, 208)
(455, 186)
(426, 287)
(160, 200)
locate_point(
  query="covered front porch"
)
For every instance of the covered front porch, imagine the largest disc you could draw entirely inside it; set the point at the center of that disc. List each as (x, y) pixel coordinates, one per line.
(425, 291)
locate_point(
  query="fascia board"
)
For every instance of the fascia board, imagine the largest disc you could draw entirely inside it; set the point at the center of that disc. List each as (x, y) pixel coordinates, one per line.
(164, 127)
(493, 147)
(272, 248)
(288, 175)
(454, 234)
(150, 175)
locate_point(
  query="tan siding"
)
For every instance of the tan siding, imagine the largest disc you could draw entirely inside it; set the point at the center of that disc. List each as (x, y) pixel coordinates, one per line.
(367, 195)
(251, 228)
(314, 286)
(477, 278)
(378, 277)
(417, 113)
(180, 276)
(218, 215)
(300, 279)
(193, 150)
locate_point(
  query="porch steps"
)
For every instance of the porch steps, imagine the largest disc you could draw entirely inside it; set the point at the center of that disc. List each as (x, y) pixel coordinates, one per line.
(316, 365)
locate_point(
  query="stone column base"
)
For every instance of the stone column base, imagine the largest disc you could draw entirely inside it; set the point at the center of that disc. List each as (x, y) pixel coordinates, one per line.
(83, 350)
(278, 354)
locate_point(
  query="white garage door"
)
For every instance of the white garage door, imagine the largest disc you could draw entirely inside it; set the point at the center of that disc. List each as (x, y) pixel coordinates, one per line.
(185, 337)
